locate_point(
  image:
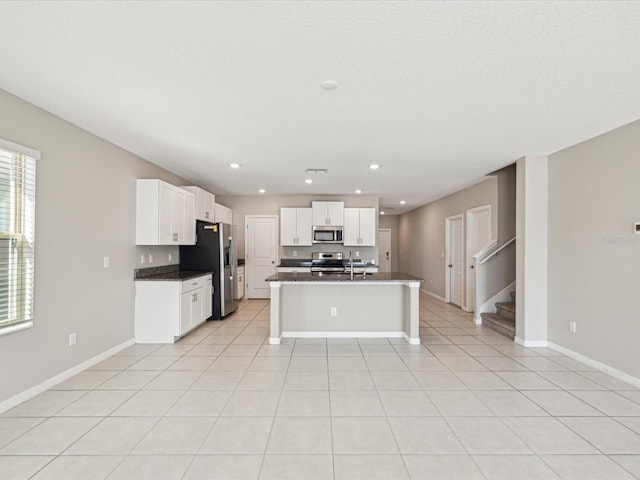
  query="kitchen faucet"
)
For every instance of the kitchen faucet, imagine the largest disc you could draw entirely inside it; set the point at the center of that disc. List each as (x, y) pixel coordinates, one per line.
(351, 264)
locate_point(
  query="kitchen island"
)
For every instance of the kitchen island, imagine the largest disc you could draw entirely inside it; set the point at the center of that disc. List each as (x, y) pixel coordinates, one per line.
(306, 305)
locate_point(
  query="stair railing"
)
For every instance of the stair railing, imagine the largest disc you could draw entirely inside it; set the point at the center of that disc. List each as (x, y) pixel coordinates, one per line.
(495, 274)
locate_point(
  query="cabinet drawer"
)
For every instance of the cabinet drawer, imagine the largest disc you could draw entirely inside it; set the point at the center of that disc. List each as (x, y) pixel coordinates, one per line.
(194, 283)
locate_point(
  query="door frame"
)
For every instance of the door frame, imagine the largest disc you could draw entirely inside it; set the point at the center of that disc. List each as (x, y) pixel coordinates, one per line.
(447, 257)
(248, 263)
(386, 230)
(472, 214)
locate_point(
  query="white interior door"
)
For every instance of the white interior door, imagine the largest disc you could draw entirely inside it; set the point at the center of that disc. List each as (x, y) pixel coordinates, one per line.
(478, 236)
(455, 259)
(384, 250)
(261, 253)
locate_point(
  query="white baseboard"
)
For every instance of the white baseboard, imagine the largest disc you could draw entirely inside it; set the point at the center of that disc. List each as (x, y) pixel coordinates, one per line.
(292, 334)
(531, 343)
(625, 377)
(442, 299)
(275, 340)
(411, 341)
(61, 377)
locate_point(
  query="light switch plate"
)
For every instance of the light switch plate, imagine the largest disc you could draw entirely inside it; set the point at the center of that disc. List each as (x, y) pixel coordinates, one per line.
(106, 262)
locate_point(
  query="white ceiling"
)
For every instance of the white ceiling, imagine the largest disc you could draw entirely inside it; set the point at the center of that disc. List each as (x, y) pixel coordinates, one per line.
(438, 93)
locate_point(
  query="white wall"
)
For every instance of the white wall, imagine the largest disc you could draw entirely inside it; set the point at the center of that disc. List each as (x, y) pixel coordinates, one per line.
(271, 205)
(85, 210)
(594, 258)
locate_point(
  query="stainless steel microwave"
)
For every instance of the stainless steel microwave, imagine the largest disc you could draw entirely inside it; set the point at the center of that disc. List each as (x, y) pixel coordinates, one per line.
(327, 234)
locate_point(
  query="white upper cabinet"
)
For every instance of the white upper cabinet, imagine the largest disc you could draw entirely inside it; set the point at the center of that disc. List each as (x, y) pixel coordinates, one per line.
(359, 227)
(328, 213)
(223, 214)
(295, 227)
(205, 203)
(164, 214)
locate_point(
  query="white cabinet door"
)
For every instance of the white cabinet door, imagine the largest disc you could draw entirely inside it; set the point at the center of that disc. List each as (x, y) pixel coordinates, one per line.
(304, 226)
(335, 212)
(359, 227)
(288, 227)
(240, 283)
(351, 230)
(164, 214)
(328, 213)
(205, 203)
(185, 313)
(165, 206)
(368, 227)
(189, 231)
(295, 227)
(207, 300)
(319, 210)
(223, 214)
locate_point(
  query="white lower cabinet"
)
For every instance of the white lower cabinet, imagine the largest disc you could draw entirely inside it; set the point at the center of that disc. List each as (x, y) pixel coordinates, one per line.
(240, 285)
(167, 310)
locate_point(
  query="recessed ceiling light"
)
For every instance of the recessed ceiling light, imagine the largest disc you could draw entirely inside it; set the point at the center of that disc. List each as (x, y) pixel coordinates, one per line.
(234, 165)
(382, 212)
(262, 190)
(358, 191)
(308, 181)
(329, 85)
(402, 202)
(374, 166)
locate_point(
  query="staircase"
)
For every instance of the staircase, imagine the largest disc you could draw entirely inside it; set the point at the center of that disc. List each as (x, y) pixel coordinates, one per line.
(504, 320)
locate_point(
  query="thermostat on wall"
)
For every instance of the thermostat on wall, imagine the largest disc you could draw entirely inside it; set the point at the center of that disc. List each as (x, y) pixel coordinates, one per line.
(636, 228)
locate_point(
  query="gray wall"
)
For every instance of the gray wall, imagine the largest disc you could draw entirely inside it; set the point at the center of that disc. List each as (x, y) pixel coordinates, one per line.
(392, 222)
(271, 205)
(594, 257)
(85, 210)
(422, 231)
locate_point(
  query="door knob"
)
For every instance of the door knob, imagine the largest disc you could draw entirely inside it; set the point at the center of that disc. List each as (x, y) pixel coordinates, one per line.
(450, 265)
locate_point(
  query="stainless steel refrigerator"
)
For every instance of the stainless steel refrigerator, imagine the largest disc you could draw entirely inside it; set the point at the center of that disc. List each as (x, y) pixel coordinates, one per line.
(215, 252)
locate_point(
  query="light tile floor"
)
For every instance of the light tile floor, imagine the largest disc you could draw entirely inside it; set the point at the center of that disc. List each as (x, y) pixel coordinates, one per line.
(223, 404)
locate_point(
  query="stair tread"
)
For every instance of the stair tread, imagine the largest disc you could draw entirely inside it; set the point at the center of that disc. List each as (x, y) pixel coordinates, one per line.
(499, 319)
(509, 306)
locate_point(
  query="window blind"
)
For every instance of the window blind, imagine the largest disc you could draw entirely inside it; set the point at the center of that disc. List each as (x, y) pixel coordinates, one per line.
(17, 235)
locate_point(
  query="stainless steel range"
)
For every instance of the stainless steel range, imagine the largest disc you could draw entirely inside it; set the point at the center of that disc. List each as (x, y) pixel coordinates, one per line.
(327, 263)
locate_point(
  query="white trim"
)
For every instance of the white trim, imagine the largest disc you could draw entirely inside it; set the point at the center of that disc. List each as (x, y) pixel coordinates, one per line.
(17, 148)
(447, 258)
(15, 328)
(328, 334)
(275, 340)
(411, 341)
(61, 377)
(471, 230)
(442, 299)
(531, 343)
(603, 367)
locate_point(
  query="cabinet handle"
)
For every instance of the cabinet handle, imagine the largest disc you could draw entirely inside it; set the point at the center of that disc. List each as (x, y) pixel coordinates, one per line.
(175, 237)
(206, 214)
(194, 297)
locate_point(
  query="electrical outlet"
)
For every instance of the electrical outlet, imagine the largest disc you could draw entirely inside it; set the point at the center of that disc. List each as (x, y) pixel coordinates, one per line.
(334, 312)
(295, 253)
(106, 261)
(572, 327)
(142, 259)
(150, 258)
(72, 339)
(170, 257)
(357, 254)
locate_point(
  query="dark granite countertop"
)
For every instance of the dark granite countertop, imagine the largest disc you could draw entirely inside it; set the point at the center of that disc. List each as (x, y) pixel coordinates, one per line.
(167, 273)
(295, 262)
(343, 277)
(174, 276)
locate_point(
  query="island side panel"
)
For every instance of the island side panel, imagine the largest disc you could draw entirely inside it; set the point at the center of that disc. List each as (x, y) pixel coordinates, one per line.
(412, 313)
(275, 336)
(361, 308)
